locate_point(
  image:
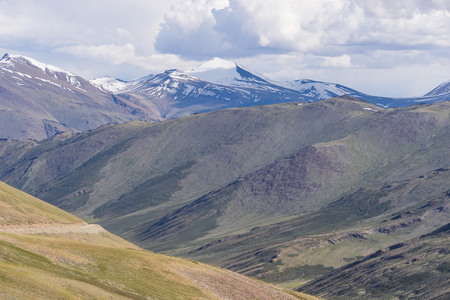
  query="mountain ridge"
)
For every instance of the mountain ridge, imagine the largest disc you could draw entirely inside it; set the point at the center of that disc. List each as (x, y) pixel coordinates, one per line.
(38, 100)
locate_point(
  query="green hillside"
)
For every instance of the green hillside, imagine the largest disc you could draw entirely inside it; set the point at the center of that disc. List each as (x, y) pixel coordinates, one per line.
(252, 189)
(71, 264)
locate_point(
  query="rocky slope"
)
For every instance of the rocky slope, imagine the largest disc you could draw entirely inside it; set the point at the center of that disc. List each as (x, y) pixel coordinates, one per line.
(415, 269)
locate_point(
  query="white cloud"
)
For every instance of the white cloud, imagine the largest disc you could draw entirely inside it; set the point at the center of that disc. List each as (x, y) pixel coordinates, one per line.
(200, 28)
(343, 61)
(113, 54)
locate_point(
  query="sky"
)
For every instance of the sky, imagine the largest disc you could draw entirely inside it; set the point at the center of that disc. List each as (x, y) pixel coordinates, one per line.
(389, 48)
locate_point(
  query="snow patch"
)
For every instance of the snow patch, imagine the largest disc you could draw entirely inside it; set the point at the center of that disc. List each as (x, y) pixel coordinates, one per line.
(109, 84)
(8, 70)
(73, 80)
(382, 105)
(48, 81)
(77, 87)
(216, 70)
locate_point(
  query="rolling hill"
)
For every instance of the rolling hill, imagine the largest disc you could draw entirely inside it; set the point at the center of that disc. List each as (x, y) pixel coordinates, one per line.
(46, 253)
(253, 189)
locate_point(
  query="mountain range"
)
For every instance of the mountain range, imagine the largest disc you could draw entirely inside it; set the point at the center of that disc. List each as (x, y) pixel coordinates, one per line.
(285, 192)
(39, 100)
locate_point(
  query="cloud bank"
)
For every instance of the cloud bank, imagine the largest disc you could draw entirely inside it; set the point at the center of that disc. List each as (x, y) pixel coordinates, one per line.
(236, 28)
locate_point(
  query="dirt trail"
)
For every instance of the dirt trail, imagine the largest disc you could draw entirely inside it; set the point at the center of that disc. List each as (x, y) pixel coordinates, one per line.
(81, 227)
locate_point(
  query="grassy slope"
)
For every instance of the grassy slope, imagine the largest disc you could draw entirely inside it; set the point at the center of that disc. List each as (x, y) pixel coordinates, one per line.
(86, 266)
(32, 211)
(364, 158)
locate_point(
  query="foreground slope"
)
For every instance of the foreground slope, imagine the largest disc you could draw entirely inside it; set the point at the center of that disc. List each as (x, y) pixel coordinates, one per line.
(52, 258)
(252, 189)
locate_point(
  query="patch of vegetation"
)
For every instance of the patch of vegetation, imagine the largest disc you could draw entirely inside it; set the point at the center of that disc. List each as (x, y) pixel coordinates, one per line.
(444, 267)
(271, 272)
(352, 259)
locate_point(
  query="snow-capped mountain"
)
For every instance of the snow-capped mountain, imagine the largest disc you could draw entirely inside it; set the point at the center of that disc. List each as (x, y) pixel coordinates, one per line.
(39, 100)
(224, 72)
(217, 84)
(18, 63)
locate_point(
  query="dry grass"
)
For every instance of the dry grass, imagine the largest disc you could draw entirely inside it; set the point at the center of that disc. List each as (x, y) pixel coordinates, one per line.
(20, 209)
(45, 267)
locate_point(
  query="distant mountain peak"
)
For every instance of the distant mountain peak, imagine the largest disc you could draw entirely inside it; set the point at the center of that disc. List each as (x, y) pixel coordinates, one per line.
(21, 59)
(213, 64)
(225, 72)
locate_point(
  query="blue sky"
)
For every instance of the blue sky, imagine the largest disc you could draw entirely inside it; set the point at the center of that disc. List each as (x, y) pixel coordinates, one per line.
(381, 47)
